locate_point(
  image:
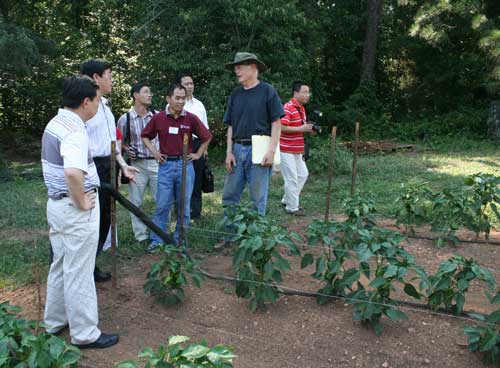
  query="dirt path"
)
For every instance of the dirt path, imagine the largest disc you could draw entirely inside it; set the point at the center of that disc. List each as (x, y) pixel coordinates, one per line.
(293, 332)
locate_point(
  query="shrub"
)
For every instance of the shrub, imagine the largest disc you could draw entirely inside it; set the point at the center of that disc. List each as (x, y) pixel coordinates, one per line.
(469, 206)
(20, 347)
(380, 259)
(257, 261)
(320, 156)
(448, 286)
(486, 339)
(166, 278)
(178, 355)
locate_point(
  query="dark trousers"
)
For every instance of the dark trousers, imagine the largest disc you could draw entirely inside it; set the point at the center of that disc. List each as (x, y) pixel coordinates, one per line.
(199, 166)
(103, 165)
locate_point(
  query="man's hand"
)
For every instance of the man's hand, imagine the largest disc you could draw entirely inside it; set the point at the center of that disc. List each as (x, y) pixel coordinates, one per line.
(131, 153)
(268, 159)
(193, 156)
(230, 162)
(88, 201)
(307, 128)
(159, 157)
(129, 172)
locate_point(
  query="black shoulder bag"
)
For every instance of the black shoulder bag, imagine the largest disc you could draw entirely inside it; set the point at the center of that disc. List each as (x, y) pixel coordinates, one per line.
(207, 180)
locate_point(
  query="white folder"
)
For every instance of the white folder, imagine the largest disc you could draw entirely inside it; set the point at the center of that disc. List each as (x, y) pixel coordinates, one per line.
(260, 146)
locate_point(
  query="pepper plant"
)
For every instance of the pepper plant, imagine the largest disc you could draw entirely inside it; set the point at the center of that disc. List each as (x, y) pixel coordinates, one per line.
(330, 264)
(448, 210)
(360, 210)
(380, 260)
(179, 355)
(20, 347)
(166, 278)
(447, 288)
(257, 260)
(484, 194)
(486, 338)
(414, 206)
(390, 264)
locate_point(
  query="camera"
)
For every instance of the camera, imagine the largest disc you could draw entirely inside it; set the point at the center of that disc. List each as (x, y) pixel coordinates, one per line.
(315, 115)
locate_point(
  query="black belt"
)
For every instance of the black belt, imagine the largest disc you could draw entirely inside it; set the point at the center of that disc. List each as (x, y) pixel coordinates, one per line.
(174, 158)
(66, 195)
(244, 142)
(146, 158)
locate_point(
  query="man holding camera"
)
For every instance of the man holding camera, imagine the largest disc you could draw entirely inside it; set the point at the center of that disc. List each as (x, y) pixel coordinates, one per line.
(293, 126)
(131, 125)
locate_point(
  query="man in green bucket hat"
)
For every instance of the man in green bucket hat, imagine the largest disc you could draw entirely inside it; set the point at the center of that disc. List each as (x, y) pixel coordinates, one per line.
(254, 108)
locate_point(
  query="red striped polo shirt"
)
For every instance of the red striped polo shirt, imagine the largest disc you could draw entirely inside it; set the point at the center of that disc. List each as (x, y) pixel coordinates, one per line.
(293, 142)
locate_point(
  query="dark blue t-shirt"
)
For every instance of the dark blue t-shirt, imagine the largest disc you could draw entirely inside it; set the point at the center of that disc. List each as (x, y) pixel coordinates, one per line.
(252, 111)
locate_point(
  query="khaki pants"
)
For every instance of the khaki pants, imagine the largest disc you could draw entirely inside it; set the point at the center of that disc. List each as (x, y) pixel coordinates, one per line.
(148, 175)
(71, 293)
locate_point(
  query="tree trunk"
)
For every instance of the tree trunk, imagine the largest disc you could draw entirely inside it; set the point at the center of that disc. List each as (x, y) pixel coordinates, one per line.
(370, 45)
(494, 120)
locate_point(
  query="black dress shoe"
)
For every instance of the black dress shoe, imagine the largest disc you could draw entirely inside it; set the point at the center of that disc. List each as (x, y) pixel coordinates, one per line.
(104, 341)
(100, 276)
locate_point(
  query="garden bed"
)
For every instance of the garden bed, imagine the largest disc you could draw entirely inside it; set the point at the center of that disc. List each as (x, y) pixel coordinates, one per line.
(294, 331)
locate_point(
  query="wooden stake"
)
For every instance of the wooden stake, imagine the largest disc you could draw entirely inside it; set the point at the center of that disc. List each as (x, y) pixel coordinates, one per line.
(355, 159)
(182, 235)
(330, 173)
(113, 214)
(38, 292)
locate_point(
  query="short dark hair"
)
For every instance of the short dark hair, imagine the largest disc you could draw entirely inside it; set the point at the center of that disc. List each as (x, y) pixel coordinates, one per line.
(76, 89)
(94, 66)
(297, 85)
(183, 74)
(136, 88)
(172, 88)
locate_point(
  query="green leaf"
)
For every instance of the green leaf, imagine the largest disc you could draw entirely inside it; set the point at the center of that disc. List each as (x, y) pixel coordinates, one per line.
(177, 339)
(494, 317)
(489, 341)
(281, 262)
(195, 351)
(128, 364)
(379, 281)
(57, 346)
(460, 300)
(411, 291)
(351, 276)
(395, 314)
(495, 210)
(146, 353)
(391, 271)
(307, 260)
(268, 270)
(462, 285)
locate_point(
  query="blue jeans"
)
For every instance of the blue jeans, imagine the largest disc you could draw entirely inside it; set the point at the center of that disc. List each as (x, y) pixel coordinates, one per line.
(245, 172)
(169, 190)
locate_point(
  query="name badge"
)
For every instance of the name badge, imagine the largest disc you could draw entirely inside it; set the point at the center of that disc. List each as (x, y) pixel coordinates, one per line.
(173, 130)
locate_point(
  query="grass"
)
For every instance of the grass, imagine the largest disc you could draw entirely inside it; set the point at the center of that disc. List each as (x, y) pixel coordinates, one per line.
(23, 200)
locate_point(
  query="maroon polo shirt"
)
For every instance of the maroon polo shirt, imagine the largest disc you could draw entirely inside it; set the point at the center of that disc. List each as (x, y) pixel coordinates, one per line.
(171, 131)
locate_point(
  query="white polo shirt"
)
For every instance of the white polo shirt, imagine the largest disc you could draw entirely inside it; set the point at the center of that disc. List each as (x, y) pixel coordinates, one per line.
(195, 106)
(102, 130)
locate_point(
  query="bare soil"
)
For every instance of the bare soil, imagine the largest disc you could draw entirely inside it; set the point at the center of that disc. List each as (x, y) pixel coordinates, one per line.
(369, 147)
(294, 331)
